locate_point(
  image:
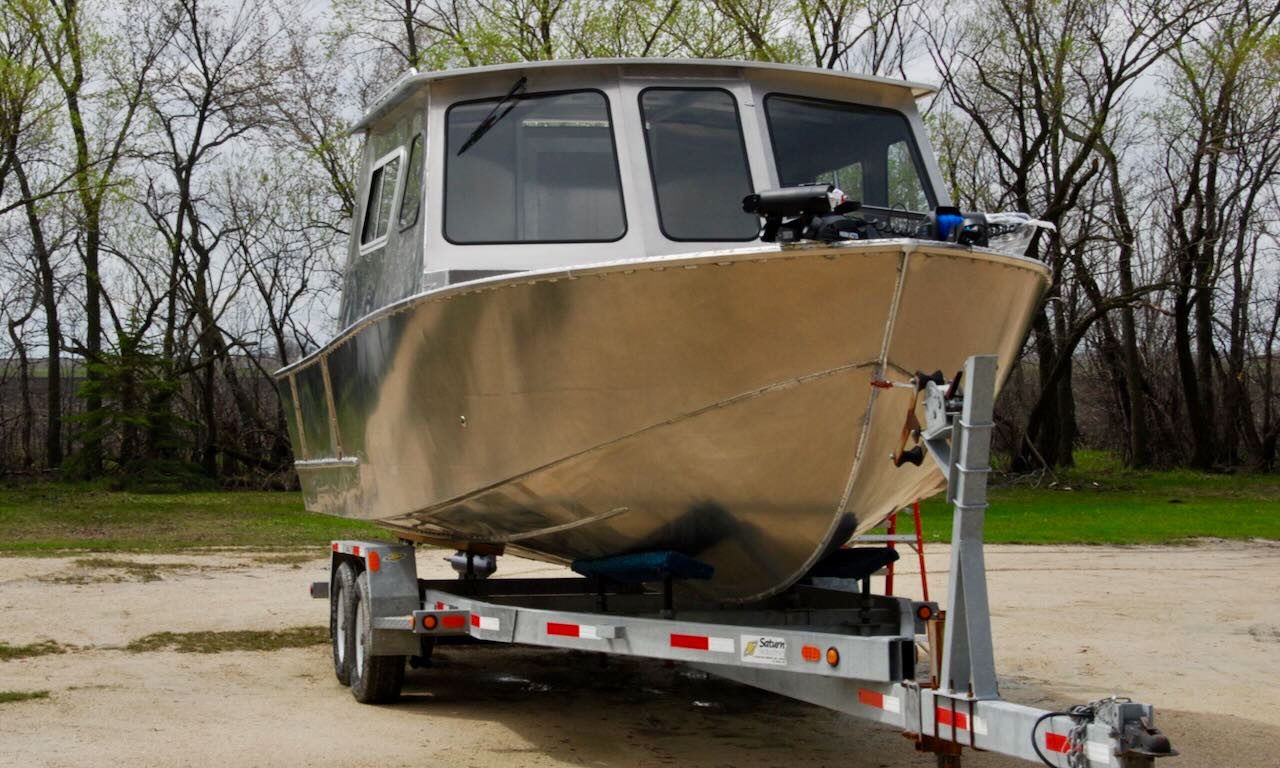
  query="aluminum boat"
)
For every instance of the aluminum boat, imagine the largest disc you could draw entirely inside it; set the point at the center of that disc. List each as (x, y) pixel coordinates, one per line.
(564, 336)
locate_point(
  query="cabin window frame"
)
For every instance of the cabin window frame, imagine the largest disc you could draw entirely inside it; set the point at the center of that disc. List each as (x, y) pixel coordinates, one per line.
(617, 169)
(917, 159)
(653, 175)
(419, 140)
(381, 241)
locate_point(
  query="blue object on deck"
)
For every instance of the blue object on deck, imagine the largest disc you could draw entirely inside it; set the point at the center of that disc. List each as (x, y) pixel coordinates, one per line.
(948, 222)
(854, 563)
(645, 566)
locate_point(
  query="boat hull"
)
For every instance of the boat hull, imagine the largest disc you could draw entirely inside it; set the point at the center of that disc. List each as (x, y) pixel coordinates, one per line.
(716, 405)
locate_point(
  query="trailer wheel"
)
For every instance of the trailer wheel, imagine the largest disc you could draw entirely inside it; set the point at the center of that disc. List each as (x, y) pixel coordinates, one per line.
(374, 679)
(341, 611)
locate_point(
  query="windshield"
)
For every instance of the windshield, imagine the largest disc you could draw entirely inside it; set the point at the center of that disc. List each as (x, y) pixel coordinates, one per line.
(699, 163)
(546, 172)
(867, 152)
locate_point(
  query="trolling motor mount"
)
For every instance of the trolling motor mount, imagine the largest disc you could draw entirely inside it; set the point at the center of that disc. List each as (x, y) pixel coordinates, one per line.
(807, 212)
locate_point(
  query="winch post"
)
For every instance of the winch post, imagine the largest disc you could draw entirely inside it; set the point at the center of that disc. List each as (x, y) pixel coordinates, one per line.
(968, 659)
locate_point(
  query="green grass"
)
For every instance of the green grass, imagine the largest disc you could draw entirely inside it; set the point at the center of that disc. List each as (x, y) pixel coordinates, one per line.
(1097, 502)
(43, 648)
(1101, 502)
(235, 640)
(48, 517)
(10, 696)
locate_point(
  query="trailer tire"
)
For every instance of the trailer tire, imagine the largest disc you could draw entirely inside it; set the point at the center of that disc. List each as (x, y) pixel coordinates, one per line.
(341, 611)
(374, 679)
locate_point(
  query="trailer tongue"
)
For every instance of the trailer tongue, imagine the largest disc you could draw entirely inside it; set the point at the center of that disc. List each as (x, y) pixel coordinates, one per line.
(824, 641)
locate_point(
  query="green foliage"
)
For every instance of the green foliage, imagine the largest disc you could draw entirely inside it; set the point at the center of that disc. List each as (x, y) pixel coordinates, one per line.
(470, 34)
(131, 381)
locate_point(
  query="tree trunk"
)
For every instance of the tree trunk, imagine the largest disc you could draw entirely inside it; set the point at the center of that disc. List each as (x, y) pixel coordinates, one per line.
(53, 333)
(1201, 448)
(27, 416)
(1040, 435)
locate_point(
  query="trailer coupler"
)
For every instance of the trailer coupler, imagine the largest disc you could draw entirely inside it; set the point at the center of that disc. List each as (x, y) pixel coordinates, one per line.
(1137, 742)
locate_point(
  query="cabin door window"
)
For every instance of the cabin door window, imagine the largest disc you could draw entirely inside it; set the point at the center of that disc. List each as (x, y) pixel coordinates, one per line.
(867, 152)
(544, 170)
(698, 161)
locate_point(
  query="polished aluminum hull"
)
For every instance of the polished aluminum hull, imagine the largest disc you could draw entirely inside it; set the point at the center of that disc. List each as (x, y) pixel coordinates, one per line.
(718, 405)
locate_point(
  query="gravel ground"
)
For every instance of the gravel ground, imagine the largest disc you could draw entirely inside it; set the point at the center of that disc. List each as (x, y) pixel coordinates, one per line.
(1192, 629)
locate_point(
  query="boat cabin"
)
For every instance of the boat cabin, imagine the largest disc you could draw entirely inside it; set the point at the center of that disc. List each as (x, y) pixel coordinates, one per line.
(472, 173)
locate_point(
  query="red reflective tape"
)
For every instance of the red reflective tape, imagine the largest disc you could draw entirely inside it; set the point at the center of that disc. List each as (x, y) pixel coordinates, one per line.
(945, 718)
(475, 620)
(439, 606)
(355, 551)
(871, 698)
(453, 622)
(334, 546)
(565, 630)
(692, 642)
(1056, 742)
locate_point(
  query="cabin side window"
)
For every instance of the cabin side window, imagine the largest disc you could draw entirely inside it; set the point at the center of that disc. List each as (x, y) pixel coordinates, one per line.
(698, 162)
(411, 200)
(540, 168)
(867, 152)
(381, 196)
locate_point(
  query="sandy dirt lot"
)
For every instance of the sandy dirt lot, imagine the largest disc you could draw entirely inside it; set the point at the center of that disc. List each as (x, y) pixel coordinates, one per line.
(1193, 630)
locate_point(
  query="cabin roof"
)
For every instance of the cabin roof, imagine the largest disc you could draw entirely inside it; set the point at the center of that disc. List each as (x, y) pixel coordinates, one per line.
(410, 81)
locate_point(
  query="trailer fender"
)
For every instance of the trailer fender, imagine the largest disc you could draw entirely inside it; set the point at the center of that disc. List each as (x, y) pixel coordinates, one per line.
(392, 574)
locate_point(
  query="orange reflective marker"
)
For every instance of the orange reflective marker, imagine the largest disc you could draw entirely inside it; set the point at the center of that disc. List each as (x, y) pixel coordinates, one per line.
(428, 622)
(833, 656)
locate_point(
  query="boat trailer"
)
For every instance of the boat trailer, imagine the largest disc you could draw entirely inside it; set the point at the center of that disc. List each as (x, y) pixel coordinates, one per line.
(824, 641)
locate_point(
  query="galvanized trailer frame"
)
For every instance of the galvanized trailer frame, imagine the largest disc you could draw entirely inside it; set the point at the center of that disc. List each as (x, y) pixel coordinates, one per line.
(842, 649)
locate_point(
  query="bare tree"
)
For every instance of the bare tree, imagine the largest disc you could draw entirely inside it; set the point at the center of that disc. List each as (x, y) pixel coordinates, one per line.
(872, 36)
(1222, 163)
(25, 131)
(1046, 88)
(72, 52)
(212, 96)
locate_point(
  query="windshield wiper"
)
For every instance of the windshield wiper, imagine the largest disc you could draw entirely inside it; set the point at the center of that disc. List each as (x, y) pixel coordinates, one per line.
(494, 116)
